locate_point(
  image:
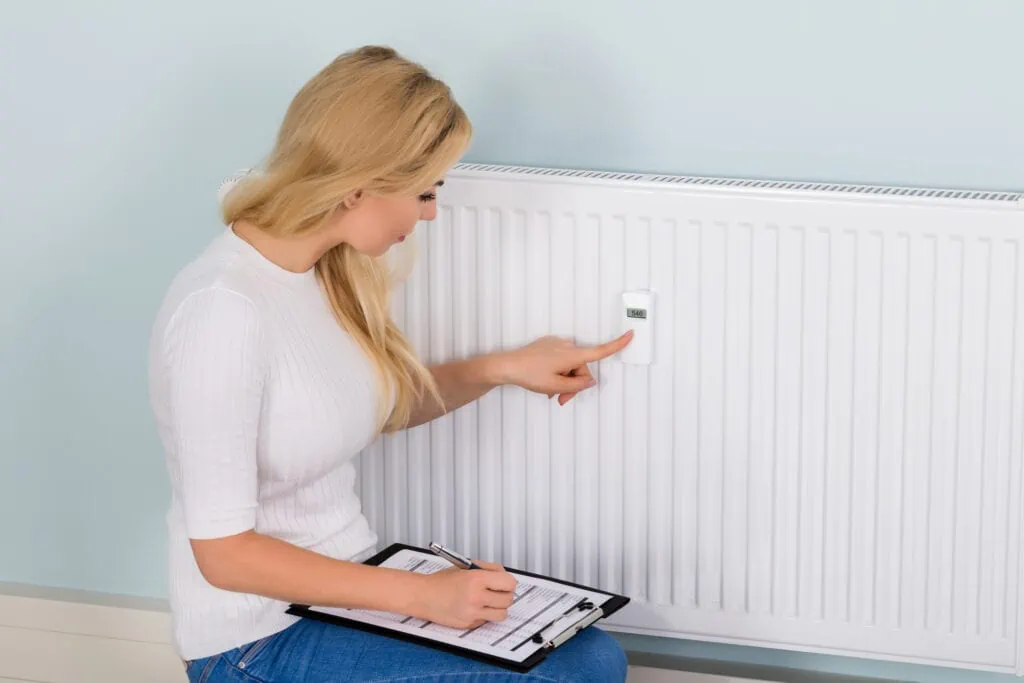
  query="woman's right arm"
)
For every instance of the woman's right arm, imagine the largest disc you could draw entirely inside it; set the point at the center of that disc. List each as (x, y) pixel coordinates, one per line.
(215, 365)
(254, 563)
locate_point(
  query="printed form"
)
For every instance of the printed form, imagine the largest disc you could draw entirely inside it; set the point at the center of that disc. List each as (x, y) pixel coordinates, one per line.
(539, 606)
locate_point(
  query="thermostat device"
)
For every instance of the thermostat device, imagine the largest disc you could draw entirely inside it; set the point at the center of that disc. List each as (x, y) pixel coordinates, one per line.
(638, 315)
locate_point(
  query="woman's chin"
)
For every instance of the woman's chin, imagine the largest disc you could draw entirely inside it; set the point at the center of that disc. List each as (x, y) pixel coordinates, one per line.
(378, 250)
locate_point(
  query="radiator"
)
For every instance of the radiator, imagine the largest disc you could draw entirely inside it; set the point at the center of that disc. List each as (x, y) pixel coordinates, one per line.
(825, 454)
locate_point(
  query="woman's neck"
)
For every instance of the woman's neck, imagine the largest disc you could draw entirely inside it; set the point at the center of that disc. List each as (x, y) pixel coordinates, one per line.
(295, 254)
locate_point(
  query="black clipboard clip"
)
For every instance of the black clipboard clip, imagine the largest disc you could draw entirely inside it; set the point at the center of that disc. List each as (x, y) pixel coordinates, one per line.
(592, 615)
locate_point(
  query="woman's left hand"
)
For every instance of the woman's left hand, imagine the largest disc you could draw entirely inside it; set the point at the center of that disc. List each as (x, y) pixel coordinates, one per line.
(552, 365)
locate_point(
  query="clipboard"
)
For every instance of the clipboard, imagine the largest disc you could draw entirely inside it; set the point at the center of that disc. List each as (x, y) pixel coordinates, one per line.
(558, 609)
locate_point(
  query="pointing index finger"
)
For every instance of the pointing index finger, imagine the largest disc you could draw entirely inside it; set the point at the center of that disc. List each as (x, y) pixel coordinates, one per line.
(602, 351)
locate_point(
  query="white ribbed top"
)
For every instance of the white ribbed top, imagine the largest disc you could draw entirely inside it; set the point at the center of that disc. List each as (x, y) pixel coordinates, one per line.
(262, 401)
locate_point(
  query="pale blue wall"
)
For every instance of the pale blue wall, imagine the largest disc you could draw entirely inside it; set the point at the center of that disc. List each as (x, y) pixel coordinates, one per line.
(117, 122)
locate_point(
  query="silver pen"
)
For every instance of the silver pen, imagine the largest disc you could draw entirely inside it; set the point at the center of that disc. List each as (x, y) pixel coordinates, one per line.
(460, 561)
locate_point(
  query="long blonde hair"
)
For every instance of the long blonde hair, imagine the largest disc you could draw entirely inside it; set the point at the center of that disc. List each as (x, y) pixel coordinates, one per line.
(374, 122)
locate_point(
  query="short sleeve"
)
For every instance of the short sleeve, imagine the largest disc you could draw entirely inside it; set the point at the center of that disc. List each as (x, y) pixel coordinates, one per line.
(215, 370)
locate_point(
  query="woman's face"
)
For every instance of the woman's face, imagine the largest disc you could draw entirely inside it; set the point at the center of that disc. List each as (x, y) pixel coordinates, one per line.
(375, 224)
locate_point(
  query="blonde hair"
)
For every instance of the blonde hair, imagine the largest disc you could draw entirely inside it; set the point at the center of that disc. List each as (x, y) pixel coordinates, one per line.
(374, 122)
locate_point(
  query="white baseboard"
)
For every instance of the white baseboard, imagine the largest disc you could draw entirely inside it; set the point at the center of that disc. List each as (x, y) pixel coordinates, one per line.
(640, 674)
(55, 640)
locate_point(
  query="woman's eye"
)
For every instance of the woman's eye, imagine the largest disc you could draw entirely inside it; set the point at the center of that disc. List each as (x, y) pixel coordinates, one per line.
(428, 197)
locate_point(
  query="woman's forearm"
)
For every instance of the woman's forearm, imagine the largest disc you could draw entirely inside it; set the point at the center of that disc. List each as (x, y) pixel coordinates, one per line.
(262, 565)
(459, 383)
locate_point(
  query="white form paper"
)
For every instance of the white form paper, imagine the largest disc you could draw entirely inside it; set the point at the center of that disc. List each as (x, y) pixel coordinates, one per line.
(538, 605)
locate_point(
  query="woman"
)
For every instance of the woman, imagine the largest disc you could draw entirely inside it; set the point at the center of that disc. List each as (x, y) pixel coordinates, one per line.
(274, 362)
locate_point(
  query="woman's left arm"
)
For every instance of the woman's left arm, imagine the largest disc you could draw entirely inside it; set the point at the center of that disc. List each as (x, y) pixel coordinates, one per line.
(458, 383)
(548, 366)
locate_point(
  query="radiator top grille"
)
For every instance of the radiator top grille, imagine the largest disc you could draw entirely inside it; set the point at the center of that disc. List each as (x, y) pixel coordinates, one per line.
(740, 183)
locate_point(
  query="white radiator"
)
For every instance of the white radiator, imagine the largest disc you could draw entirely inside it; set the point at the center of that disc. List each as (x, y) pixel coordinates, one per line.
(826, 454)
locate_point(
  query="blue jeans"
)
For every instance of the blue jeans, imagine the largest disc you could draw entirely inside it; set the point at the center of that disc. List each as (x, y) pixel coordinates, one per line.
(312, 652)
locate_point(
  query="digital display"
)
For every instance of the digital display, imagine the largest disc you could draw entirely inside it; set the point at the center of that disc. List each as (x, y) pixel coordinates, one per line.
(640, 313)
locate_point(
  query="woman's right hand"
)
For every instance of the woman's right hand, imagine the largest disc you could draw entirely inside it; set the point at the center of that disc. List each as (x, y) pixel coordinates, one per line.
(462, 598)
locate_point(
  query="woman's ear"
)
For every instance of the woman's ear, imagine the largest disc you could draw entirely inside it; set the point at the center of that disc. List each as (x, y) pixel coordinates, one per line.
(353, 199)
